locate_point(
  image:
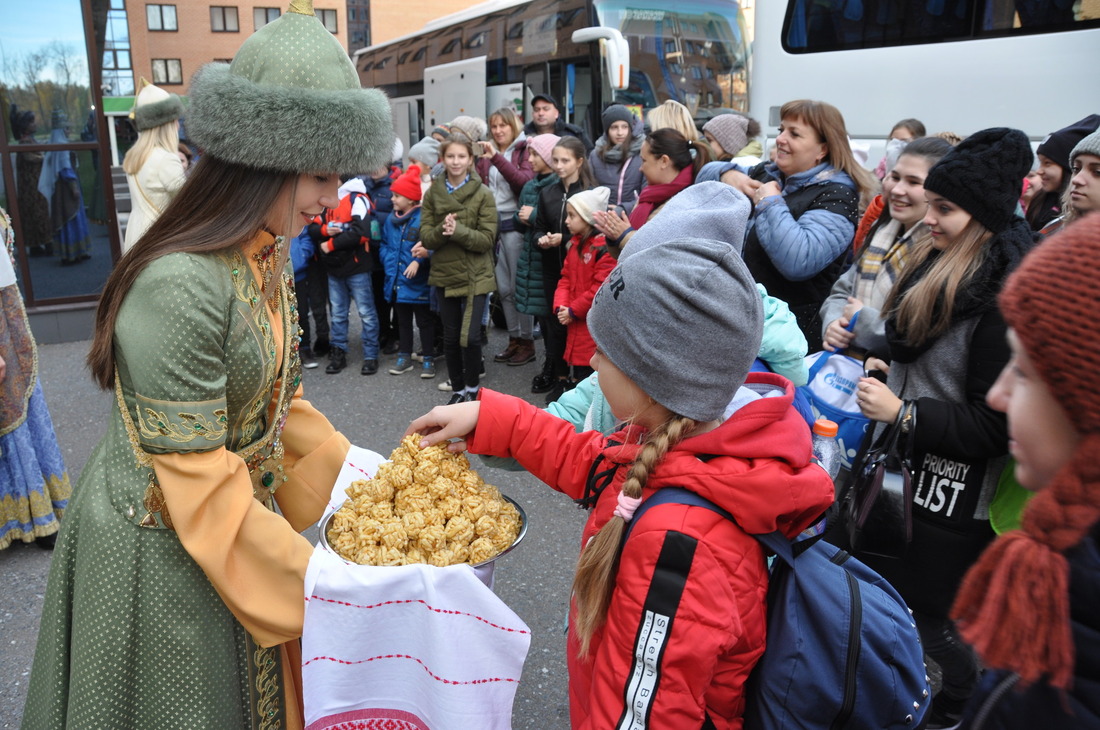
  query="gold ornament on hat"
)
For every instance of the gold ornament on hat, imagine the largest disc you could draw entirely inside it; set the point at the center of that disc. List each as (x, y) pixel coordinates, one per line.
(302, 7)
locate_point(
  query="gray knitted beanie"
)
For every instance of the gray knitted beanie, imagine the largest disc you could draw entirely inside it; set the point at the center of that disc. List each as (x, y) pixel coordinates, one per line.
(730, 130)
(1090, 145)
(425, 151)
(291, 101)
(711, 210)
(683, 320)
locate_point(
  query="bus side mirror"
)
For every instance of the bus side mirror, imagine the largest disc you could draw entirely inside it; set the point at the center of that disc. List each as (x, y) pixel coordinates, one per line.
(615, 51)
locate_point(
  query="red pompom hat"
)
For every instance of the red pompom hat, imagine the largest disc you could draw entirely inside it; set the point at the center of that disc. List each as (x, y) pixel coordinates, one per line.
(408, 184)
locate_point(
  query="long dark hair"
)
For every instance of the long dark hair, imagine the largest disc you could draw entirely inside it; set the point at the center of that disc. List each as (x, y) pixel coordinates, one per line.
(222, 206)
(668, 141)
(576, 148)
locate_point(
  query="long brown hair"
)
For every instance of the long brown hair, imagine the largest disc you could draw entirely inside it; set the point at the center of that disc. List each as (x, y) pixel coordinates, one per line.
(828, 122)
(222, 206)
(576, 148)
(924, 311)
(599, 561)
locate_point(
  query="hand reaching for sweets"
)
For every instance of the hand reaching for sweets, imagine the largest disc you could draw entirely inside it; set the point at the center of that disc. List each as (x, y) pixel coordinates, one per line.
(446, 422)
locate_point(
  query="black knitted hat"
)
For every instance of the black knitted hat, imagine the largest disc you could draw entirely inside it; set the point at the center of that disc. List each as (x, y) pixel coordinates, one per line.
(1058, 145)
(983, 175)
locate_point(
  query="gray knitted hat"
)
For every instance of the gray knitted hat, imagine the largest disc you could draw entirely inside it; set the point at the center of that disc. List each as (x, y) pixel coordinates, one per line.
(291, 101)
(473, 127)
(425, 151)
(704, 210)
(730, 132)
(1090, 145)
(153, 106)
(683, 320)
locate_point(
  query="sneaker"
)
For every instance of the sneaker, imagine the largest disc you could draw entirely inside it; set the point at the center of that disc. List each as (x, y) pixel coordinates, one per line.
(391, 348)
(542, 383)
(337, 361)
(457, 398)
(370, 367)
(445, 386)
(309, 362)
(427, 370)
(482, 373)
(403, 365)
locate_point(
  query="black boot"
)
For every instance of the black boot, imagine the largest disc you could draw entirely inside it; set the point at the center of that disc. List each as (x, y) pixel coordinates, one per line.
(337, 361)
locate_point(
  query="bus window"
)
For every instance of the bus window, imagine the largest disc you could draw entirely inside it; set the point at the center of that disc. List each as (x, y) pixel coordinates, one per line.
(811, 27)
(691, 52)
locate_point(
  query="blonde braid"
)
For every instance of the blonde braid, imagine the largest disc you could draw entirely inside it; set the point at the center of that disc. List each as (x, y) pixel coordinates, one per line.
(599, 560)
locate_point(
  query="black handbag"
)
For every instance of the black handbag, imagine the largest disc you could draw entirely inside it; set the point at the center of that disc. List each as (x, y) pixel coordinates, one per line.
(878, 505)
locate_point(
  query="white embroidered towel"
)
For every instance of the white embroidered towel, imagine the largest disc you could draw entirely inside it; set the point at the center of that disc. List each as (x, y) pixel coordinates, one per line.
(413, 647)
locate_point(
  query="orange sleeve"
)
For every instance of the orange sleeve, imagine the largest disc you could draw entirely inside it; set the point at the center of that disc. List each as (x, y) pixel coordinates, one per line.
(252, 556)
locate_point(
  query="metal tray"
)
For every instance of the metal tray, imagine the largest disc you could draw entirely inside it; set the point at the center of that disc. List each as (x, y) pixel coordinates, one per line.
(519, 537)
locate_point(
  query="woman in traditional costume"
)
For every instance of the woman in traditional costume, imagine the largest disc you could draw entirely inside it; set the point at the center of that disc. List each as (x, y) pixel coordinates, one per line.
(34, 486)
(60, 185)
(176, 591)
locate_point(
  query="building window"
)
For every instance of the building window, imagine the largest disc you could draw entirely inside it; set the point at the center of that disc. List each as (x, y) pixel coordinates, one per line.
(263, 16)
(224, 20)
(328, 19)
(161, 17)
(167, 71)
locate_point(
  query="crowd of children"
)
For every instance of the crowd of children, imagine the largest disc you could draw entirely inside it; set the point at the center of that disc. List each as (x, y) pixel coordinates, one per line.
(948, 229)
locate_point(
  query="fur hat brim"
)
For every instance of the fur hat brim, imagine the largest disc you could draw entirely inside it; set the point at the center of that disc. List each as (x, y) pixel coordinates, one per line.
(148, 116)
(288, 129)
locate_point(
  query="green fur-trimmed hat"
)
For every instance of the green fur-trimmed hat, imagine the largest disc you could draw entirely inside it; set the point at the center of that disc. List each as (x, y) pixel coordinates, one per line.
(153, 106)
(290, 101)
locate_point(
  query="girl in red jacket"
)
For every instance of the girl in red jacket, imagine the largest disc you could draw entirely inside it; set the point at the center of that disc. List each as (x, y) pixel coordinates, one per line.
(587, 264)
(665, 627)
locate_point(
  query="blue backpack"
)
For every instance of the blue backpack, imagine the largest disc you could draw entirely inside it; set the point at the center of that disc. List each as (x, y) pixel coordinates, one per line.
(842, 648)
(831, 389)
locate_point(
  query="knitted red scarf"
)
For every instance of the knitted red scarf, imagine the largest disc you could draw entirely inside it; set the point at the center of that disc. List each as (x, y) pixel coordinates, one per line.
(654, 196)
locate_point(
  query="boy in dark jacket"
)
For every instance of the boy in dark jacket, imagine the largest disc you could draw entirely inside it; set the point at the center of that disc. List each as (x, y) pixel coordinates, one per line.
(342, 236)
(377, 187)
(406, 276)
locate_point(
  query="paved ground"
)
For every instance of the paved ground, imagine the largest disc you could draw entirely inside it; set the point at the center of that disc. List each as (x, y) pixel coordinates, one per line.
(373, 412)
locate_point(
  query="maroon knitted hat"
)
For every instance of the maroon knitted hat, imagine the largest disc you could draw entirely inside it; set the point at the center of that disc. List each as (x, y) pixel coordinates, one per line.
(1050, 302)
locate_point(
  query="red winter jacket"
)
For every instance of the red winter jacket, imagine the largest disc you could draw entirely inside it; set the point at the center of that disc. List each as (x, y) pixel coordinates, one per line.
(586, 265)
(686, 622)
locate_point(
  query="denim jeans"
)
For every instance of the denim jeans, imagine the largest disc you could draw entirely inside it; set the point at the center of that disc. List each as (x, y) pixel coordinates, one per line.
(341, 290)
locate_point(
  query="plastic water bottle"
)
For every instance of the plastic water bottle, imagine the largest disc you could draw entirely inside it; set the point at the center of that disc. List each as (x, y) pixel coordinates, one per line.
(826, 448)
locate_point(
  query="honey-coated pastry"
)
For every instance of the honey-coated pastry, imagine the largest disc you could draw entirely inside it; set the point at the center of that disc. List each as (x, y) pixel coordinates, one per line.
(423, 506)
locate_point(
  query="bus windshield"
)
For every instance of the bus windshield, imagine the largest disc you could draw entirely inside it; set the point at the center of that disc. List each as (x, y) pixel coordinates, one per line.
(696, 54)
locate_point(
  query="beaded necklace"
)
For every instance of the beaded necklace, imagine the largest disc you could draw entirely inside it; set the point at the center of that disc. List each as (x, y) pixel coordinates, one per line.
(267, 260)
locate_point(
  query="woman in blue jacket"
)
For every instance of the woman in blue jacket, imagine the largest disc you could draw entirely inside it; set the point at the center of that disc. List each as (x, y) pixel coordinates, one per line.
(806, 210)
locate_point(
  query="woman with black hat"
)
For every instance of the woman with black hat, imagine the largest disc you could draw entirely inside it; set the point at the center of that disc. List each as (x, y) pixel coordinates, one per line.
(1054, 173)
(175, 593)
(946, 347)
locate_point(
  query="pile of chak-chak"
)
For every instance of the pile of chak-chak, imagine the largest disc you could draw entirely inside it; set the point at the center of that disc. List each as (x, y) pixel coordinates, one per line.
(423, 506)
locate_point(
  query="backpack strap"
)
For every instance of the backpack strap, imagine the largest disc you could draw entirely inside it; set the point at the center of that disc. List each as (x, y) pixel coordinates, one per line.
(776, 541)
